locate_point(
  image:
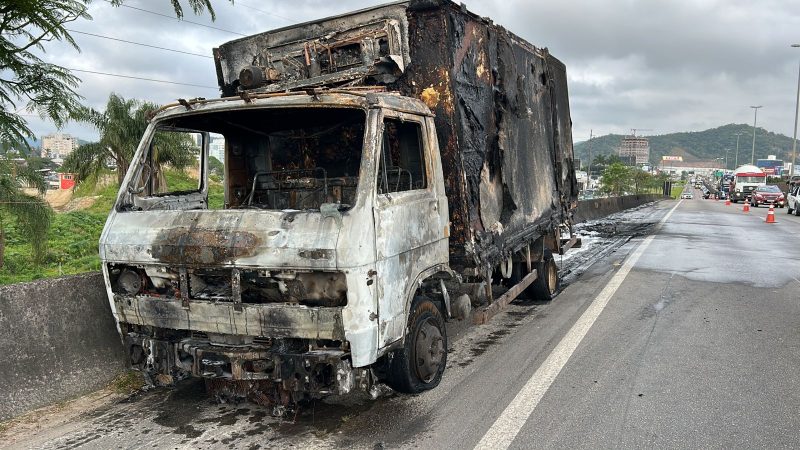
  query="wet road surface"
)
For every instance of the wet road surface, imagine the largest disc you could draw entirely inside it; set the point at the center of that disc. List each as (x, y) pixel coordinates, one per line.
(697, 346)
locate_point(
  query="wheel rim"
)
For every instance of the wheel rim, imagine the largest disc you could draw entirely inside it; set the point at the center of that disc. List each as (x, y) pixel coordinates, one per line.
(552, 277)
(428, 351)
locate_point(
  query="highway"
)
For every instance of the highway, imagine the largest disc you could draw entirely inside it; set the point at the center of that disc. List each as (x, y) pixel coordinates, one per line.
(679, 327)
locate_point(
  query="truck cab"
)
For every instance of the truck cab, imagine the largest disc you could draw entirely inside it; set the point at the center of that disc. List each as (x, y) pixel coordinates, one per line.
(311, 247)
(746, 179)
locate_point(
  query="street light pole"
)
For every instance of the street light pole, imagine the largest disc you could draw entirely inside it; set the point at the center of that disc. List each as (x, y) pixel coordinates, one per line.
(736, 163)
(589, 169)
(726, 158)
(797, 106)
(755, 118)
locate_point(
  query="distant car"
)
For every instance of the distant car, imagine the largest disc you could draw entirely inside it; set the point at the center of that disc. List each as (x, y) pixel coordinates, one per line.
(767, 195)
(688, 195)
(793, 200)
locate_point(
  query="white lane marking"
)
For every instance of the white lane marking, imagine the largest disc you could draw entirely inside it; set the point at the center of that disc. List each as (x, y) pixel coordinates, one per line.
(505, 429)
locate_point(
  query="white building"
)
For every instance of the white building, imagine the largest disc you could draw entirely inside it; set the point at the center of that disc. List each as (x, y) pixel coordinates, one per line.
(58, 145)
(217, 148)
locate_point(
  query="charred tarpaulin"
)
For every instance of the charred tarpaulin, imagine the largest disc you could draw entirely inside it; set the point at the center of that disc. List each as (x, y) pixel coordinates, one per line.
(511, 96)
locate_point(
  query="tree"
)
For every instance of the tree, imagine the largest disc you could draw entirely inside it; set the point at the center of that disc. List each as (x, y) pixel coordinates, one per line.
(121, 126)
(641, 180)
(616, 179)
(27, 82)
(32, 213)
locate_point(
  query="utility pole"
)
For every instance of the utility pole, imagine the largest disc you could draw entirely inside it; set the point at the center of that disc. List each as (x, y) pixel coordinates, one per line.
(736, 163)
(796, 108)
(755, 118)
(589, 169)
(726, 158)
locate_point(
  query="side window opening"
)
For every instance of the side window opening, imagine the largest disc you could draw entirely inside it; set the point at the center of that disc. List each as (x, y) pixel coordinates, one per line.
(172, 165)
(402, 161)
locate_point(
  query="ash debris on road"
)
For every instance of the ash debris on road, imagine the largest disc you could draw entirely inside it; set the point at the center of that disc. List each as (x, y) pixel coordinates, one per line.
(603, 236)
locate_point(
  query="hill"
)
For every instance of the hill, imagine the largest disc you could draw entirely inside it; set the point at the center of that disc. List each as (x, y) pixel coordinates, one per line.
(700, 145)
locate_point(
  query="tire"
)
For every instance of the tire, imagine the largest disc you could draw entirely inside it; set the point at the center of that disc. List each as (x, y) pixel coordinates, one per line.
(788, 210)
(547, 284)
(427, 337)
(796, 211)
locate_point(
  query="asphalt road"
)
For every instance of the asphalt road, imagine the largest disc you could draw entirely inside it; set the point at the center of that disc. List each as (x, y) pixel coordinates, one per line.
(680, 330)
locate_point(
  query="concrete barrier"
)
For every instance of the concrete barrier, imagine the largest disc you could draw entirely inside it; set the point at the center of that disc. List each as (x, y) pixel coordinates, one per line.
(601, 207)
(58, 340)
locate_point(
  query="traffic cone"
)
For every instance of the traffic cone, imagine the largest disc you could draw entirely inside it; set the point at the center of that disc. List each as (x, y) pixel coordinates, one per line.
(771, 214)
(728, 202)
(746, 207)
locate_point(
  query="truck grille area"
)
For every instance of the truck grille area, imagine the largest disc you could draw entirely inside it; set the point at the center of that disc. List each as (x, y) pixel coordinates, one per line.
(327, 289)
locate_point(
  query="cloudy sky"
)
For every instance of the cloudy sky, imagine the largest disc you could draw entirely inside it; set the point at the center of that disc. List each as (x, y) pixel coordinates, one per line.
(677, 65)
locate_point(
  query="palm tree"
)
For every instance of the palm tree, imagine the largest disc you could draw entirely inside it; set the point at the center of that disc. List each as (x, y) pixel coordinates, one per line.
(121, 126)
(32, 214)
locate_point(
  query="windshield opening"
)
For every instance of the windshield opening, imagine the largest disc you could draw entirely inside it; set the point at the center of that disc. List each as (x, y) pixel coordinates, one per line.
(755, 179)
(279, 158)
(770, 188)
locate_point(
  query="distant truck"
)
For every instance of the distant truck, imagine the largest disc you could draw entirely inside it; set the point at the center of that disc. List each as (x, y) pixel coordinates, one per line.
(745, 179)
(724, 186)
(384, 170)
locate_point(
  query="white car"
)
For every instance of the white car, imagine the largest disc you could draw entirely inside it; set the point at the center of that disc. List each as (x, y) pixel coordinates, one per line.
(793, 200)
(688, 195)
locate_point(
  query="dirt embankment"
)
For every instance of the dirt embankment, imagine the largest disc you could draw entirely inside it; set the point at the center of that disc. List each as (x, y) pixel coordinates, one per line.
(56, 198)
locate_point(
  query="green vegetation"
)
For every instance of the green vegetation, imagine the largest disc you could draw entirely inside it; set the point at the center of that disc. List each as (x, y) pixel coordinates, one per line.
(705, 145)
(27, 213)
(73, 236)
(676, 190)
(121, 127)
(619, 179)
(128, 382)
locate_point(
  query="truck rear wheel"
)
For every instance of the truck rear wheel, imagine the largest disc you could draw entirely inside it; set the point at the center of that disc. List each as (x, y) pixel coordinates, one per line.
(419, 365)
(547, 282)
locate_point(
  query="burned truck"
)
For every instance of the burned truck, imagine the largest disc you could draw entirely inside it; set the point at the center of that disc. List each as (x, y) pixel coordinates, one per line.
(385, 171)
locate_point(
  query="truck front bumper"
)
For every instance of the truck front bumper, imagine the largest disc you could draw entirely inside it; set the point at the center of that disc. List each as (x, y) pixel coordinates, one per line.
(320, 371)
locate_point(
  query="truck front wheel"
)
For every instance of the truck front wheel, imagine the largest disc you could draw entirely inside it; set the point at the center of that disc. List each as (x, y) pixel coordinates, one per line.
(419, 365)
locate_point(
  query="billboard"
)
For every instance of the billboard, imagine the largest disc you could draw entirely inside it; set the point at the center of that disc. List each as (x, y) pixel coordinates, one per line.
(672, 158)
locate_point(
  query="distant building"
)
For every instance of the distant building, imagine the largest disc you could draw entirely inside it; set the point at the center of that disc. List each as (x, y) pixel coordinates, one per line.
(217, 148)
(771, 166)
(635, 148)
(675, 167)
(58, 145)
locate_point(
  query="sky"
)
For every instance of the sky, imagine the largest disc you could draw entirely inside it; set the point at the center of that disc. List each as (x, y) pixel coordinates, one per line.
(653, 65)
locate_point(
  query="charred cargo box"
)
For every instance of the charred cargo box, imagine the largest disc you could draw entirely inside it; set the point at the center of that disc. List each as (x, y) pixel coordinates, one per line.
(501, 108)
